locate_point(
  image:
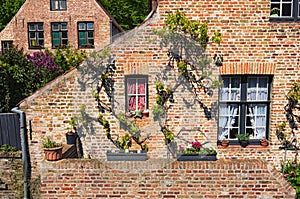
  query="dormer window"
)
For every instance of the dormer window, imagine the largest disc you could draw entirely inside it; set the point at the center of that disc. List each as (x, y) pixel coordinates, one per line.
(58, 5)
(285, 10)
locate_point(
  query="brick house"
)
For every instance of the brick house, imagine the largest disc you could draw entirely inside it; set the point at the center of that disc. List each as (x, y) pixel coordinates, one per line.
(49, 24)
(260, 63)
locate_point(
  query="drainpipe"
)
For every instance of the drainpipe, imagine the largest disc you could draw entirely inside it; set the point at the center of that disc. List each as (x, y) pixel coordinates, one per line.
(25, 152)
(111, 30)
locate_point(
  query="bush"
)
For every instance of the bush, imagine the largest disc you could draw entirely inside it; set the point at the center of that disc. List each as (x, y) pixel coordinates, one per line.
(292, 175)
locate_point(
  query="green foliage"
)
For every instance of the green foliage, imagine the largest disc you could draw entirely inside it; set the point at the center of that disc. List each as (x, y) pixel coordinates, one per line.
(8, 9)
(7, 148)
(68, 57)
(18, 78)
(48, 143)
(22, 74)
(243, 137)
(292, 175)
(158, 111)
(178, 22)
(128, 13)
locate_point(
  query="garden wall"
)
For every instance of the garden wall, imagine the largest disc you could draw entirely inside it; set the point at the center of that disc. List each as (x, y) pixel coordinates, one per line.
(162, 178)
(11, 175)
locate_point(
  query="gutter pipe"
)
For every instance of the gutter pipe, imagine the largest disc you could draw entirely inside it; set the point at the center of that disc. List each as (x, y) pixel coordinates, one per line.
(25, 152)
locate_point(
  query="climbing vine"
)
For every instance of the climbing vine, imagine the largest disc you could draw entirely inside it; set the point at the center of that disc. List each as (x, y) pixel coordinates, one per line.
(106, 86)
(187, 41)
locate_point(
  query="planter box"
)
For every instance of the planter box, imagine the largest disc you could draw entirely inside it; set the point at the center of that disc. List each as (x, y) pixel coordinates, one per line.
(132, 155)
(195, 157)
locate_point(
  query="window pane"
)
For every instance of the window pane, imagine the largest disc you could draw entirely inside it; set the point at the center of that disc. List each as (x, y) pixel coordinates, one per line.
(131, 86)
(90, 34)
(230, 90)
(64, 26)
(90, 26)
(287, 10)
(81, 26)
(228, 121)
(256, 120)
(41, 35)
(64, 34)
(141, 86)
(91, 41)
(141, 103)
(40, 27)
(32, 27)
(55, 27)
(82, 35)
(63, 4)
(132, 103)
(82, 41)
(55, 35)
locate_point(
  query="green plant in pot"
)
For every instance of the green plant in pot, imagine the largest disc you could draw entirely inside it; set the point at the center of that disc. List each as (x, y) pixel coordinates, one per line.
(243, 139)
(71, 134)
(52, 150)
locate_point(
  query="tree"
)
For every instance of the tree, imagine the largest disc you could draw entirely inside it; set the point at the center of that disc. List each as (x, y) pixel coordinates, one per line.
(128, 13)
(8, 9)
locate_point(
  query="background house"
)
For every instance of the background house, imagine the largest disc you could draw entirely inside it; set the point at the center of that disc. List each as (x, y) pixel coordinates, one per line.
(49, 24)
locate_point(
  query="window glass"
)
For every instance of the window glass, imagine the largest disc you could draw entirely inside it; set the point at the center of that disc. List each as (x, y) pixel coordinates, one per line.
(86, 34)
(35, 35)
(248, 116)
(136, 89)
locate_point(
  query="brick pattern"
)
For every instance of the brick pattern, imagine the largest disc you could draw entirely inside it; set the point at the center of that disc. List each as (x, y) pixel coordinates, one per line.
(39, 11)
(251, 44)
(163, 179)
(11, 175)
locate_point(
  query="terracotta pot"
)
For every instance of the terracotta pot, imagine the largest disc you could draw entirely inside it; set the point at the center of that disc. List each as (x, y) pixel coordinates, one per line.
(146, 114)
(264, 142)
(53, 154)
(225, 143)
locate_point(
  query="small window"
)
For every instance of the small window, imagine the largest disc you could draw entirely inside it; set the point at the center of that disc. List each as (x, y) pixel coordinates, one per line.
(35, 35)
(136, 92)
(86, 35)
(284, 10)
(244, 103)
(58, 5)
(5, 45)
(59, 34)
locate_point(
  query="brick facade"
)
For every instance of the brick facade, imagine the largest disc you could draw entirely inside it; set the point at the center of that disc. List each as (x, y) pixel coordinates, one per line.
(163, 179)
(77, 11)
(251, 45)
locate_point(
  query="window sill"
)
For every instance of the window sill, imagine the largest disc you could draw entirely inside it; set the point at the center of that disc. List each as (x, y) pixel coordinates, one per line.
(239, 146)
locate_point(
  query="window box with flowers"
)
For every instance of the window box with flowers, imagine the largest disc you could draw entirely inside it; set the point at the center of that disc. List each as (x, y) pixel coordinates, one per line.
(196, 152)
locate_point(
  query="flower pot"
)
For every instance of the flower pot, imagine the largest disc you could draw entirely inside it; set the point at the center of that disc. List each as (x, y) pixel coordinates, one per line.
(145, 113)
(71, 138)
(264, 142)
(196, 157)
(53, 154)
(225, 143)
(244, 143)
(121, 155)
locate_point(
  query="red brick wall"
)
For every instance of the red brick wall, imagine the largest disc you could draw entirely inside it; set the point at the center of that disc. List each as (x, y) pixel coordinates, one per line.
(162, 179)
(39, 11)
(250, 44)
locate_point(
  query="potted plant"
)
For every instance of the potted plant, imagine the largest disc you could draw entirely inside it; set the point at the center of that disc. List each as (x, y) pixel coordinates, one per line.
(243, 139)
(264, 142)
(274, 12)
(195, 151)
(71, 134)
(225, 142)
(52, 150)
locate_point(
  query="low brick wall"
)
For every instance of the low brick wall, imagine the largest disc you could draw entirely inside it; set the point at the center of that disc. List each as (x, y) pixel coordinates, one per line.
(11, 175)
(160, 178)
